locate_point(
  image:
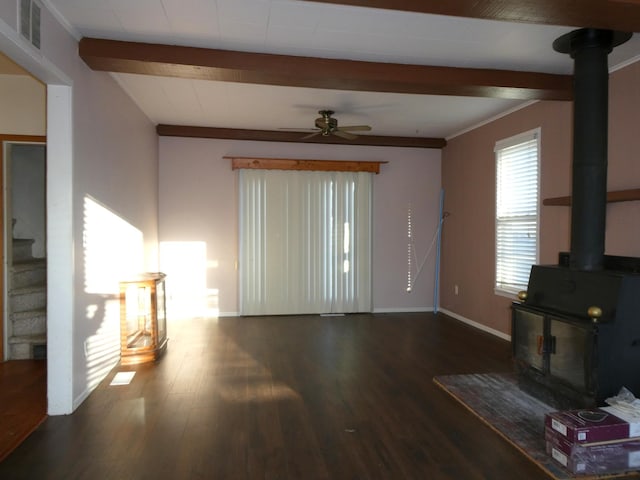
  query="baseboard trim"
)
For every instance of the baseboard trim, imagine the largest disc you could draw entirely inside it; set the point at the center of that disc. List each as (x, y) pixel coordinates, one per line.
(477, 325)
(90, 388)
(403, 310)
(81, 398)
(375, 310)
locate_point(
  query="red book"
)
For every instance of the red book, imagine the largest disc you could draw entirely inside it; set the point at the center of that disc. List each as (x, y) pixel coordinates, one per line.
(605, 458)
(587, 425)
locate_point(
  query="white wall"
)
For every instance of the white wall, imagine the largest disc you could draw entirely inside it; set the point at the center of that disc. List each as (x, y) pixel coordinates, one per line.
(102, 172)
(27, 186)
(199, 212)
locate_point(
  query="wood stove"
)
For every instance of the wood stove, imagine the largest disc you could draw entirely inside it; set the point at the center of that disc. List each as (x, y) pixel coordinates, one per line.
(576, 330)
(576, 334)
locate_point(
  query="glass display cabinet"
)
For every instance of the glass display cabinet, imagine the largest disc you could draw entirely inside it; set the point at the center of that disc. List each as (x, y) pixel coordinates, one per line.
(143, 321)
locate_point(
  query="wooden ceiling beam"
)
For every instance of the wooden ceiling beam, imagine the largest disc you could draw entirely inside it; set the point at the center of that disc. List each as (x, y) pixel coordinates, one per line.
(623, 15)
(294, 71)
(297, 137)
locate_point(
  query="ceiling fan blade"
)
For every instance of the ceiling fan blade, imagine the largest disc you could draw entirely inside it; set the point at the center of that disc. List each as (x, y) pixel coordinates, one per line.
(343, 134)
(355, 128)
(310, 136)
(299, 129)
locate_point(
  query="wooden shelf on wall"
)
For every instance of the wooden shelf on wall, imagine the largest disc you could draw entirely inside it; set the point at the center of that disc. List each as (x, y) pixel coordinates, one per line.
(612, 197)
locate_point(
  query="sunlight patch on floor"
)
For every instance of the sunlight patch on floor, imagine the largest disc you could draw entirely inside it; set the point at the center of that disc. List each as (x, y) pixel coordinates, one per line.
(122, 378)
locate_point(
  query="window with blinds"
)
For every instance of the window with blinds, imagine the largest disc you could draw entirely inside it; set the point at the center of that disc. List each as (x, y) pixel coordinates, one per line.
(517, 210)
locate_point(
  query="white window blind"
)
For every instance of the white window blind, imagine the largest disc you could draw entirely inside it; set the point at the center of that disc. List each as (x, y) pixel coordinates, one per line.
(517, 206)
(305, 242)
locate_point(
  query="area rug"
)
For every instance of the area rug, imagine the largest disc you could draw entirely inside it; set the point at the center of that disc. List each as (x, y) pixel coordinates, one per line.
(517, 416)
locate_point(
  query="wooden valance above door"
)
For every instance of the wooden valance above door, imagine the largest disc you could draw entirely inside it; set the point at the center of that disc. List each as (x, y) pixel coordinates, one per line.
(292, 164)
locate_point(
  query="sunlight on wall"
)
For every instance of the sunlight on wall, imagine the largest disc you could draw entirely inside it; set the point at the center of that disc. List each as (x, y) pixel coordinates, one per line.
(185, 264)
(113, 251)
(102, 349)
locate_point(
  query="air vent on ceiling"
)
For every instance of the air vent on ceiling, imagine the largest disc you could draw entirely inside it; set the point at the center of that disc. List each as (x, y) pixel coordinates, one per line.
(29, 13)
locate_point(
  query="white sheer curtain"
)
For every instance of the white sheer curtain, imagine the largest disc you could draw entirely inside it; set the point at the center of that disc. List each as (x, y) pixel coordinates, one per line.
(305, 242)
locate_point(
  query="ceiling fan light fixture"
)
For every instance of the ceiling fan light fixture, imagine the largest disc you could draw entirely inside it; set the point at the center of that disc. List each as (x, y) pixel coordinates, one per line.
(327, 125)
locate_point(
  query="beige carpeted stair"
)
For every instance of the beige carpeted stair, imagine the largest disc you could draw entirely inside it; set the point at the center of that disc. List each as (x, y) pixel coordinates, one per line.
(27, 303)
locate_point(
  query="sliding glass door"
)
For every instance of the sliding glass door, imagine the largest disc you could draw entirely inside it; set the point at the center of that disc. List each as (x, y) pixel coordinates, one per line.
(305, 242)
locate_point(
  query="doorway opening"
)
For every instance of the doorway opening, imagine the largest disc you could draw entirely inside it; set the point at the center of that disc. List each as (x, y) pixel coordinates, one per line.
(24, 252)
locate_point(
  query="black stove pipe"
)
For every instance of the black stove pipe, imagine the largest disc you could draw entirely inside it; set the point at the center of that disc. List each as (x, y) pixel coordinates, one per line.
(589, 48)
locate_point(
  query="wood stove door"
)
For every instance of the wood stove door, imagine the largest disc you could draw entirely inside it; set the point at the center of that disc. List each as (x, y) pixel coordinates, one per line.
(570, 353)
(529, 345)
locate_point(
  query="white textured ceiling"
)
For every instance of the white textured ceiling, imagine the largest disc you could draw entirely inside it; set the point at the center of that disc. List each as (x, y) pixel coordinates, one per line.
(295, 27)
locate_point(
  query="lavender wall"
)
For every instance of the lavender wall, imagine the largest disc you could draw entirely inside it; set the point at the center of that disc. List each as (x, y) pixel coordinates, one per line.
(468, 176)
(198, 206)
(102, 165)
(115, 166)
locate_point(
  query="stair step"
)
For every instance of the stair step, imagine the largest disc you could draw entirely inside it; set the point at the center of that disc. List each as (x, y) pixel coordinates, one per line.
(29, 273)
(33, 322)
(27, 302)
(22, 249)
(31, 339)
(30, 263)
(28, 298)
(21, 347)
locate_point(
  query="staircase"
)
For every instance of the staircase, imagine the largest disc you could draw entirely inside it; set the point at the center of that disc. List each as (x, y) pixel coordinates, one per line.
(27, 303)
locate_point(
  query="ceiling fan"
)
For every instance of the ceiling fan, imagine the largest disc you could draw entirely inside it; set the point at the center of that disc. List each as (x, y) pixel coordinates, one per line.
(327, 125)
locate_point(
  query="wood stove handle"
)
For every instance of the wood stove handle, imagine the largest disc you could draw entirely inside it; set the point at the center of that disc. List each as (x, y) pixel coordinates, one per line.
(594, 313)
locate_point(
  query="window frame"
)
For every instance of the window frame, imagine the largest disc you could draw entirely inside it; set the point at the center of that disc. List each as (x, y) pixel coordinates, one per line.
(535, 134)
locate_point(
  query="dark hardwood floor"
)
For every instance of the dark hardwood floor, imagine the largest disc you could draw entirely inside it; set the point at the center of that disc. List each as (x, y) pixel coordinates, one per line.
(286, 398)
(23, 401)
